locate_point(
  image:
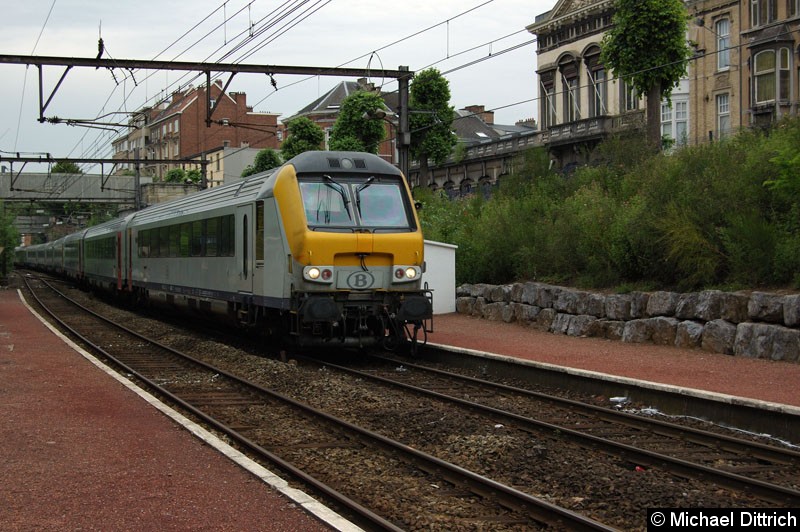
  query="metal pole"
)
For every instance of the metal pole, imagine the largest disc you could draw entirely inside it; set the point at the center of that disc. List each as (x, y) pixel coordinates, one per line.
(137, 192)
(402, 129)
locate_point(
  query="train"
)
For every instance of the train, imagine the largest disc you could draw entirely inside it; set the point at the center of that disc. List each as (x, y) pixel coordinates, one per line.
(325, 250)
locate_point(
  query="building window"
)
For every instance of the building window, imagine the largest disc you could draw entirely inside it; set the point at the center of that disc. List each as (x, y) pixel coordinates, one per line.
(547, 102)
(675, 121)
(794, 8)
(599, 92)
(723, 30)
(681, 122)
(630, 98)
(772, 76)
(571, 102)
(666, 120)
(549, 106)
(784, 74)
(762, 12)
(723, 115)
(764, 77)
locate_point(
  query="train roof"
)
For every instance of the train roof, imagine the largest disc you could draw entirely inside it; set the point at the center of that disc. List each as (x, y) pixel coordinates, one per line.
(321, 162)
(237, 193)
(105, 228)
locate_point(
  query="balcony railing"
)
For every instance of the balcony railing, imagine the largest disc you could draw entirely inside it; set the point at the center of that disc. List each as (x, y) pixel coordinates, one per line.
(591, 128)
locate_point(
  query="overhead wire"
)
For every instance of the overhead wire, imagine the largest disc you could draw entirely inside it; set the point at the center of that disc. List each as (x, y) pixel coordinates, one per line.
(274, 13)
(278, 15)
(389, 45)
(281, 13)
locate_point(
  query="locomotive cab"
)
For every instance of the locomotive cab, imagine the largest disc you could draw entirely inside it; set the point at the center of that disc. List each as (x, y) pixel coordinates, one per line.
(358, 253)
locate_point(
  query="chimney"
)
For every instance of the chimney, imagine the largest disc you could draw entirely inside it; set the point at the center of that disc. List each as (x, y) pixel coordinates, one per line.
(366, 85)
(240, 98)
(480, 112)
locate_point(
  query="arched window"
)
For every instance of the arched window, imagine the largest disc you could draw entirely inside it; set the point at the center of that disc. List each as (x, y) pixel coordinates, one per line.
(598, 82)
(548, 99)
(570, 83)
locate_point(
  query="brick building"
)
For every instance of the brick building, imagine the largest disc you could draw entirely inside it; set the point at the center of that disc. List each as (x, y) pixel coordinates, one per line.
(179, 130)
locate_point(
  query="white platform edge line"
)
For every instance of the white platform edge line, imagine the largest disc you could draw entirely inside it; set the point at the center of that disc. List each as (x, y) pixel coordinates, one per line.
(301, 498)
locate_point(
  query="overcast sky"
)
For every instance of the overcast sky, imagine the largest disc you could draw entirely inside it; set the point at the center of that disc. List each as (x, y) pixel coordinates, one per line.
(321, 33)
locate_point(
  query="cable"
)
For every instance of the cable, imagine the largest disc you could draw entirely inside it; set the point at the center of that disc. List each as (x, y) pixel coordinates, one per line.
(275, 12)
(305, 14)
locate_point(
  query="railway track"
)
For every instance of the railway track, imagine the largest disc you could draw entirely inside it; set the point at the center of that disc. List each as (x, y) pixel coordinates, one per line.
(768, 472)
(339, 459)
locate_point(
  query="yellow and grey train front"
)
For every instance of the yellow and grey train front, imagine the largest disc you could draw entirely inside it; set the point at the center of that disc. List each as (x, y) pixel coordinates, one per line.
(357, 252)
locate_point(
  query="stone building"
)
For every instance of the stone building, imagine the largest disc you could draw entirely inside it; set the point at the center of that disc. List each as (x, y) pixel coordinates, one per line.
(744, 73)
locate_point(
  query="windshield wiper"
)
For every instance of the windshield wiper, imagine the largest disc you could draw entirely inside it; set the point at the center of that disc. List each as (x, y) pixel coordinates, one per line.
(359, 188)
(331, 182)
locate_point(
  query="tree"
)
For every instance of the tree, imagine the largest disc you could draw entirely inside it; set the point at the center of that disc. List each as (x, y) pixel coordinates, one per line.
(194, 175)
(65, 167)
(647, 48)
(9, 239)
(179, 175)
(430, 120)
(354, 132)
(304, 135)
(266, 159)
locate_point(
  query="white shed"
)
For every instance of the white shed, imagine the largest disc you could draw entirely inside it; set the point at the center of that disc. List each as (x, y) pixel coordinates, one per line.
(440, 274)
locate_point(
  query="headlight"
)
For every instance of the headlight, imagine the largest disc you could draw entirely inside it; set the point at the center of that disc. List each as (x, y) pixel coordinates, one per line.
(319, 274)
(404, 274)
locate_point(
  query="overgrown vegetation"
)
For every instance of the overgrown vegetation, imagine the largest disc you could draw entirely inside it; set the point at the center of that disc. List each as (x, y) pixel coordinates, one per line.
(720, 215)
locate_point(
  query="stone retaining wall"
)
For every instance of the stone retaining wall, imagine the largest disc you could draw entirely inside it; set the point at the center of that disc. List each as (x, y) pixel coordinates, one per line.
(755, 325)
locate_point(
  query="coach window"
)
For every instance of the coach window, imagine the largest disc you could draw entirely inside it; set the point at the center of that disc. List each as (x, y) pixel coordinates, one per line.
(260, 230)
(186, 237)
(212, 226)
(154, 243)
(143, 239)
(245, 249)
(163, 241)
(197, 238)
(174, 240)
(225, 236)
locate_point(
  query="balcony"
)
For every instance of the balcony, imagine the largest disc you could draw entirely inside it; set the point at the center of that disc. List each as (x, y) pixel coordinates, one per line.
(591, 128)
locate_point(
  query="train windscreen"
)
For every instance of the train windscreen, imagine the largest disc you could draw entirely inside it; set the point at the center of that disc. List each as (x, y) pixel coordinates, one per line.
(344, 203)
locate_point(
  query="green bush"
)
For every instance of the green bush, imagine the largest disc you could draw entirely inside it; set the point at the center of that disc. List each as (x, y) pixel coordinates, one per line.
(726, 213)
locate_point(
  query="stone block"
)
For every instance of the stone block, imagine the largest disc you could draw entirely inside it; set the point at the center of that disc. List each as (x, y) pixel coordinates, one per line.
(718, 337)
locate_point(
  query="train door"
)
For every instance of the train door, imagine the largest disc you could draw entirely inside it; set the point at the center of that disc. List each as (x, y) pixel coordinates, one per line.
(118, 253)
(245, 224)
